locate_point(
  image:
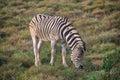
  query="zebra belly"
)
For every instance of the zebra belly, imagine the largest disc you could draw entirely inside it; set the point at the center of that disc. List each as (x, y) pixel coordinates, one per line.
(48, 36)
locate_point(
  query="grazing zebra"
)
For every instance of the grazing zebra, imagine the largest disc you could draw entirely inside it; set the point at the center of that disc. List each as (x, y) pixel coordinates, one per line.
(54, 29)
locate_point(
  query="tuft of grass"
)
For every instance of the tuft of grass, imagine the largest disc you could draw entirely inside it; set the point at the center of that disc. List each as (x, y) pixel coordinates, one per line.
(68, 74)
(92, 76)
(3, 60)
(89, 66)
(110, 60)
(8, 71)
(22, 58)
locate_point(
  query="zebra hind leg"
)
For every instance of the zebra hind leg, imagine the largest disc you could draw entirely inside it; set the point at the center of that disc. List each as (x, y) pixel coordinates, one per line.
(39, 45)
(64, 55)
(53, 50)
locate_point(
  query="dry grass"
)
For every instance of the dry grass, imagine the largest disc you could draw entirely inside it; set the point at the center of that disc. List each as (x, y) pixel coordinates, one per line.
(97, 21)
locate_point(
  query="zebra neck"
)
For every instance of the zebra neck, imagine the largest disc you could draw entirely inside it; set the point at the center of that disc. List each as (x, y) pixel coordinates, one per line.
(72, 37)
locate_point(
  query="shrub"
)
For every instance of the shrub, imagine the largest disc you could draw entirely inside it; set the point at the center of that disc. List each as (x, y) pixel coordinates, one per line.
(10, 71)
(92, 76)
(3, 34)
(22, 58)
(3, 60)
(89, 66)
(111, 60)
(45, 60)
(111, 21)
(113, 74)
(105, 47)
(68, 74)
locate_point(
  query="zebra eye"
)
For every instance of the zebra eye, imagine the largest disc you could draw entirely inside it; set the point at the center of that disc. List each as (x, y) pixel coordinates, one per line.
(78, 58)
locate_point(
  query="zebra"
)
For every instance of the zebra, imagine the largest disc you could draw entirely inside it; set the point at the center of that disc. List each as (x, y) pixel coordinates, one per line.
(56, 29)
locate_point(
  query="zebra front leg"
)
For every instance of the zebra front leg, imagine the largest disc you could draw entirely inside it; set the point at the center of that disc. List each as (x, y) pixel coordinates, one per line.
(36, 51)
(53, 50)
(64, 55)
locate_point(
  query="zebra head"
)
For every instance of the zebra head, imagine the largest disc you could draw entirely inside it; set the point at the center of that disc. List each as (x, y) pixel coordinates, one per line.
(77, 56)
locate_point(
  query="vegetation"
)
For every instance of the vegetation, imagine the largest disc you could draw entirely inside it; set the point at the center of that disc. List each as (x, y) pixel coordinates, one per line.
(97, 21)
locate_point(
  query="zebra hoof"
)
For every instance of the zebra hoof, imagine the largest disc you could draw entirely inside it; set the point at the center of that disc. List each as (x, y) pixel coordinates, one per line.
(51, 64)
(37, 64)
(65, 65)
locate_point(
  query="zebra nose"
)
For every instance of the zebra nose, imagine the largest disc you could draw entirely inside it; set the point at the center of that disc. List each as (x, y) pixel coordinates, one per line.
(81, 66)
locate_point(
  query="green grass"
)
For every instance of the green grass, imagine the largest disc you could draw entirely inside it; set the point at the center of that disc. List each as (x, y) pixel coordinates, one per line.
(97, 21)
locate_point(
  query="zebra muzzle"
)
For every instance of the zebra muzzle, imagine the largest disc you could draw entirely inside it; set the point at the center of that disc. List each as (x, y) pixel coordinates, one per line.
(81, 67)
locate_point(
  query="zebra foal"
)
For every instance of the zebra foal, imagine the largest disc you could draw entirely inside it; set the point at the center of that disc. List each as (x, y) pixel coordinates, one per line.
(53, 28)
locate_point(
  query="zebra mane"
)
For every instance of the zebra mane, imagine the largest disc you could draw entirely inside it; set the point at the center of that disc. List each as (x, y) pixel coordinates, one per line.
(82, 47)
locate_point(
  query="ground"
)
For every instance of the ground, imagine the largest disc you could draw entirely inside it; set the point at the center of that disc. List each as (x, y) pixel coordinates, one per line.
(97, 21)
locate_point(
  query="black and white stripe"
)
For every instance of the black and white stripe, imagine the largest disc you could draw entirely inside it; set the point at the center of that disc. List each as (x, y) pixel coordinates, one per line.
(54, 28)
(71, 36)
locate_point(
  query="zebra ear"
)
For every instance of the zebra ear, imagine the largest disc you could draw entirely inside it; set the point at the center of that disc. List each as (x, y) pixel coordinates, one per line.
(71, 23)
(84, 48)
(65, 17)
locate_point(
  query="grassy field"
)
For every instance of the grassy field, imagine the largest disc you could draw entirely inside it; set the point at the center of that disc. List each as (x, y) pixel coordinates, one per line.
(98, 22)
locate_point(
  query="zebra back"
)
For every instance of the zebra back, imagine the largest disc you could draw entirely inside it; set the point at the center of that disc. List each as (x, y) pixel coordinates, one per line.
(47, 27)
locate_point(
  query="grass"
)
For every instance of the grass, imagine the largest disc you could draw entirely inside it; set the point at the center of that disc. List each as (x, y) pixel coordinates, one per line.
(97, 21)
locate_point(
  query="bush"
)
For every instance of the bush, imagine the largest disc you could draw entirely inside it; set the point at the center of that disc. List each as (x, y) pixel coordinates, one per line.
(92, 76)
(25, 59)
(113, 74)
(110, 60)
(68, 74)
(3, 60)
(10, 71)
(3, 34)
(105, 47)
(89, 66)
